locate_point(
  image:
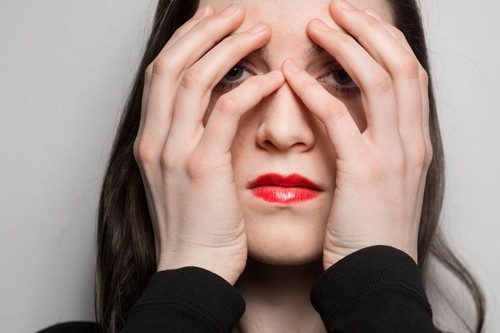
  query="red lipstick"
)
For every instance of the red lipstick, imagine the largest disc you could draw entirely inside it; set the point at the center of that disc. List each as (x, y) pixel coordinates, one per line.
(284, 189)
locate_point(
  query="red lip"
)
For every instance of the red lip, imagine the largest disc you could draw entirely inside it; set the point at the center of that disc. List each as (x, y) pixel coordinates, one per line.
(284, 189)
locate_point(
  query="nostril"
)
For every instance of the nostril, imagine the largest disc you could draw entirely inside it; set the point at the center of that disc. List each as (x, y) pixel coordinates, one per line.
(268, 145)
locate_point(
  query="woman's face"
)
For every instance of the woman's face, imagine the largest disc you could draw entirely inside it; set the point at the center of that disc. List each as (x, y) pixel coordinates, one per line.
(281, 138)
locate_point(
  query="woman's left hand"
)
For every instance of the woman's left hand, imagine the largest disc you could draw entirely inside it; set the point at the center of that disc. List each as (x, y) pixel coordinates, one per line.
(380, 173)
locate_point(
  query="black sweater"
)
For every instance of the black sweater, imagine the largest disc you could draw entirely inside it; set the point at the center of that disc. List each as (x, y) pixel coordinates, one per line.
(377, 289)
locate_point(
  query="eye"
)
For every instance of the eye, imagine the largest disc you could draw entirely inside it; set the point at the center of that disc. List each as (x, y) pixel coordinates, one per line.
(235, 74)
(341, 77)
(234, 77)
(338, 81)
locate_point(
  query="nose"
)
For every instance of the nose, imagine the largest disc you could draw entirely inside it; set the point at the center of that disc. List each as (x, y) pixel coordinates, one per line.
(286, 124)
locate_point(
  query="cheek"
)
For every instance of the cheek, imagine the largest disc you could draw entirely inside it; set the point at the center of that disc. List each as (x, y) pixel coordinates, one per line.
(213, 100)
(355, 107)
(243, 151)
(326, 156)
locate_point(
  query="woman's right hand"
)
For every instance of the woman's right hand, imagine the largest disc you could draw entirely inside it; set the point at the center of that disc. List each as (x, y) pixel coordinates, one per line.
(186, 164)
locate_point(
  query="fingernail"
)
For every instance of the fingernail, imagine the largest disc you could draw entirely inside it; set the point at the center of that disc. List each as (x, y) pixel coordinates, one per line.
(292, 67)
(344, 4)
(258, 28)
(320, 25)
(230, 10)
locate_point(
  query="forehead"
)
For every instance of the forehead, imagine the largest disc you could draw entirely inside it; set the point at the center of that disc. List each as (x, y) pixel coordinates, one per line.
(293, 15)
(288, 20)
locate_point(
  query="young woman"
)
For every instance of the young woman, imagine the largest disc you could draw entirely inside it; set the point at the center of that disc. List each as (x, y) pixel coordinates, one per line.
(279, 166)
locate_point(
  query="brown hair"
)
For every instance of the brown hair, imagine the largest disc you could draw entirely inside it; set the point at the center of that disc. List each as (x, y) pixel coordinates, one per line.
(126, 251)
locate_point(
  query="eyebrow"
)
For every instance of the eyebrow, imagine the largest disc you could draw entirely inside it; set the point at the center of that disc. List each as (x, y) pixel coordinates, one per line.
(315, 50)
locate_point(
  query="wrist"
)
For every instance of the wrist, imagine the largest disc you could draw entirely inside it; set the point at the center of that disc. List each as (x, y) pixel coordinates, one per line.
(332, 255)
(226, 266)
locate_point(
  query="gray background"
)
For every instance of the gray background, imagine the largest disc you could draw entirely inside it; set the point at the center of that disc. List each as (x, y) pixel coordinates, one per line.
(65, 70)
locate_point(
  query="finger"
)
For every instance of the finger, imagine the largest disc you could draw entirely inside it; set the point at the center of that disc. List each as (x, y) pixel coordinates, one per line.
(196, 87)
(375, 83)
(163, 74)
(342, 130)
(200, 14)
(396, 33)
(399, 36)
(424, 89)
(402, 65)
(375, 39)
(199, 40)
(424, 79)
(223, 123)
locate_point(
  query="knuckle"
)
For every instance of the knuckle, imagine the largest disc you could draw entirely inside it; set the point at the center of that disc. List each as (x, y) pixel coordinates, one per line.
(399, 35)
(371, 22)
(419, 156)
(180, 32)
(408, 66)
(381, 83)
(227, 104)
(162, 66)
(335, 110)
(192, 79)
(148, 74)
(144, 153)
(424, 76)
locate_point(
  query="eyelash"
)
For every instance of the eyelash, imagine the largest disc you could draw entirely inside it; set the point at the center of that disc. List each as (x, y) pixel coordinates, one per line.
(223, 86)
(337, 89)
(334, 89)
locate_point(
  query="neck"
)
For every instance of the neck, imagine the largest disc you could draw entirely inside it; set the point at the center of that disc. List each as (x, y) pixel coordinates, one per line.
(277, 298)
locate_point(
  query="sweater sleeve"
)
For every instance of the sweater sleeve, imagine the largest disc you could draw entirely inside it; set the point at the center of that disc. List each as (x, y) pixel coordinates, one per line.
(188, 299)
(376, 289)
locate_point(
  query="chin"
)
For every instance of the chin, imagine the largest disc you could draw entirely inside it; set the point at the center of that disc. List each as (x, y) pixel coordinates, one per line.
(285, 241)
(285, 258)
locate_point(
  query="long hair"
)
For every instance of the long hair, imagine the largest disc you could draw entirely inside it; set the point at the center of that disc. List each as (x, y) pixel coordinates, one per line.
(125, 241)
(431, 241)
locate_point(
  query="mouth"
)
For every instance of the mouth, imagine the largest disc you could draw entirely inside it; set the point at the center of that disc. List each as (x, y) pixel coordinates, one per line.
(284, 189)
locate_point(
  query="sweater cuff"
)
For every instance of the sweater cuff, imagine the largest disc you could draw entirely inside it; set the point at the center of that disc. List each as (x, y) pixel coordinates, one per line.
(363, 271)
(198, 291)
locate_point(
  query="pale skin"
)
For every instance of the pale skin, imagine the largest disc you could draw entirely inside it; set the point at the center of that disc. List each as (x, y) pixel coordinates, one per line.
(199, 145)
